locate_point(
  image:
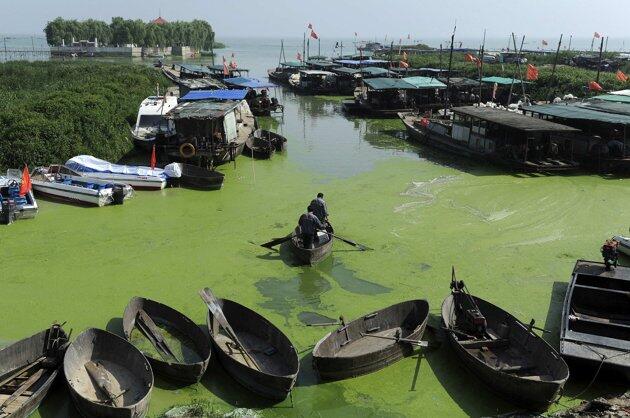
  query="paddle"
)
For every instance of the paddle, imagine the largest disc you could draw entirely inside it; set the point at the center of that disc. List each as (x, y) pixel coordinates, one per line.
(103, 383)
(153, 334)
(276, 241)
(22, 388)
(398, 339)
(215, 309)
(361, 247)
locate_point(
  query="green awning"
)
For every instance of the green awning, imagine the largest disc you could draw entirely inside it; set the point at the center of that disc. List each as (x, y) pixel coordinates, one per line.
(502, 81)
(293, 64)
(574, 111)
(388, 84)
(425, 82)
(613, 98)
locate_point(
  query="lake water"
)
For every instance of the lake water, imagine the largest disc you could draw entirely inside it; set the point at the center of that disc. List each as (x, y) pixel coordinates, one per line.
(513, 238)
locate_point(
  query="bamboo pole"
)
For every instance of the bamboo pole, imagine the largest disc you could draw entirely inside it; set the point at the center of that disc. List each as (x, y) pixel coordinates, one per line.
(570, 39)
(448, 75)
(483, 50)
(555, 61)
(599, 62)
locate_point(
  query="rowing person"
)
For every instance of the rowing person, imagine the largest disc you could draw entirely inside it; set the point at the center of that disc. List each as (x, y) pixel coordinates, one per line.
(309, 225)
(319, 207)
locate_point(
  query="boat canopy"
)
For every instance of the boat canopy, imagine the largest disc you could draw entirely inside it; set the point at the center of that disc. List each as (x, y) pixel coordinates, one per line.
(194, 68)
(202, 110)
(383, 83)
(246, 82)
(316, 72)
(365, 71)
(361, 62)
(460, 82)
(90, 164)
(512, 120)
(322, 64)
(614, 97)
(579, 112)
(293, 64)
(219, 68)
(423, 83)
(214, 95)
(503, 81)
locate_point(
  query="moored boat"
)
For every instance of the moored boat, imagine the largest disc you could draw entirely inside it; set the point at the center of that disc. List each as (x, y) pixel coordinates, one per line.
(372, 341)
(28, 368)
(258, 356)
(107, 376)
(595, 328)
(23, 206)
(150, 122)
(624, 244)
(196, 177)
(174, 345)
(310, 256)
(59, 182)
(138, 177)
(501, 351)
(263, 144)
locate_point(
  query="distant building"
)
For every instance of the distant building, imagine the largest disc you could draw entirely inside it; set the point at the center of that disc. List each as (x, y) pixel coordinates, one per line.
(159, 21)
(82, 43)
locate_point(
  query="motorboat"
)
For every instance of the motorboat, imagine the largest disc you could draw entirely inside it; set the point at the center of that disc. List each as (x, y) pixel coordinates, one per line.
(151, 122)
(24, 207)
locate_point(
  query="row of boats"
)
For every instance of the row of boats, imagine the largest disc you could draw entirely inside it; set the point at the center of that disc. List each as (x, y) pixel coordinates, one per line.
(110, 375)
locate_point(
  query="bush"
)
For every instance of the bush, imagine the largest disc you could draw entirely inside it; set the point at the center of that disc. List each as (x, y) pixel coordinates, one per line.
(52, 111)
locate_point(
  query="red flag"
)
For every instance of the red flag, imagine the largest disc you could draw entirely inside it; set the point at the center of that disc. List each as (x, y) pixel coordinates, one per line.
(544, 43)
(299, 56)
(25, 185)
(424, 122)
(597, 35)
(153, 161)
(310, 26)
(226, 70)
(314, 35)
(403, 64)
(594, 86)
(472, 58)
(532, 72)
(621, 76)
(233, 64)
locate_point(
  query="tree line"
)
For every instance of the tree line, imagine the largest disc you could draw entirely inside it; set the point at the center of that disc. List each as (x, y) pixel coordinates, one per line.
(197, 33)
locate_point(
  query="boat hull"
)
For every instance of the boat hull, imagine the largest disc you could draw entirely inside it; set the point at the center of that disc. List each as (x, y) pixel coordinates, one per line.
(137, 182)
(75, 196)
(369, 354)
(310, 256)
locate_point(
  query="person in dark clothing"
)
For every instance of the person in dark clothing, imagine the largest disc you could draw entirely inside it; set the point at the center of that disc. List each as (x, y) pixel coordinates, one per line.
(309, 225)
(319, 208)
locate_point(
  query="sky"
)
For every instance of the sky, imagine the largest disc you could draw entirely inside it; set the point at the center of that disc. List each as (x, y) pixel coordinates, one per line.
(341, 18)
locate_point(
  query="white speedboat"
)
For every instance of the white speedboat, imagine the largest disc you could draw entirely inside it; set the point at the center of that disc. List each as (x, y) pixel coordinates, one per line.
(58, 181)
(25, 206)
(151, 121)
(624, 244)
(138, 177)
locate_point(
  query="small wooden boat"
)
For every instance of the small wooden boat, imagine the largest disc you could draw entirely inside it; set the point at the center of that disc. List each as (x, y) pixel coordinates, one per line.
(196, 177)
(59, 182)
(371, 342)
(174, 345)
(261, 145)
(311, 256)
(595, 325)
(107, 376)
(257, 355)
(503, 352)
(278, 141)
(28, 368)
(624, 244)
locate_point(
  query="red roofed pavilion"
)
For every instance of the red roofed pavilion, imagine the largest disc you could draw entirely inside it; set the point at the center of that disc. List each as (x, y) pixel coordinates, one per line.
(159, 21)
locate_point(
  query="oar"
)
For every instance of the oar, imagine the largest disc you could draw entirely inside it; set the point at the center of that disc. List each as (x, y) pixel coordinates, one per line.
(276, 241)
(213, 305)
(152, 332)
(323, 324)
(353, 243)
(398, 339)
(102, 382)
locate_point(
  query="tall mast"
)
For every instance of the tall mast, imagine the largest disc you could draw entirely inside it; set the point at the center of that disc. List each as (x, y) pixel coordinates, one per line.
(448, 75)
(483, 50)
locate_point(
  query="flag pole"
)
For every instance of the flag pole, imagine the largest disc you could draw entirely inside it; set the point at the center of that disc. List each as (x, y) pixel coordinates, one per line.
(570, 39)
(304, 47)
(599, 62)
(555, 61)
(319, 46)
(308, 48)
(448, 75)
(592, 42)
(606, 47)
(483, 49)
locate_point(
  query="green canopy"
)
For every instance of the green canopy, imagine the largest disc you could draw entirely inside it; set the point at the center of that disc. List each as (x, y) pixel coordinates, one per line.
(574, 111)
(502, 81)
(293, 64)
(613, 98)
(425, 82)
(388, 84)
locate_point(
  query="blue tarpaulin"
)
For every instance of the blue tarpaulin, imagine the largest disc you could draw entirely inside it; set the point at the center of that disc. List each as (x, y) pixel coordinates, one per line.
(195, 95)
(247, 82)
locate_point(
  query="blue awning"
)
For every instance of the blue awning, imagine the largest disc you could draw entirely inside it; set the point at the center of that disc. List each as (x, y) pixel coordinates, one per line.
(195, 95)
(247, 82)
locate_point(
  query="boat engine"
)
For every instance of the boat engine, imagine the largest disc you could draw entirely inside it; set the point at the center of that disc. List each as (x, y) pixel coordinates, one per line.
(610, 252)
(118, 194)
(475, 321)
(8, 211)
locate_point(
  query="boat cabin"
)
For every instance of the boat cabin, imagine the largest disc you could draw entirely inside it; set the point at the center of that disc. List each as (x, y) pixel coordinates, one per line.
(465, 91)
(191, 77)
(212, 130)
(348, 79)
(286, 69)
(150, 121)
(314, 82)
(362, 62)
(260, 103)
(428, 93)
(218, 71)
(503, 87)
(323, 65)
(604, 140)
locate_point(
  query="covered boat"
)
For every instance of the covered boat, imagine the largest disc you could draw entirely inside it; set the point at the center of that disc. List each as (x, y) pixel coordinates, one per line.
(28, 368)
(174, 345)
(192, 77)
(496, 136)
(595, 328)
(285, 70)
(314, 82)
(107, 376)
(501, 351)
(23, 207)
(59, 182)
(196, 177)
(372, 341)
(310, 256)
(265, 361)
(138, 177)
(151, 122)
(257, 97)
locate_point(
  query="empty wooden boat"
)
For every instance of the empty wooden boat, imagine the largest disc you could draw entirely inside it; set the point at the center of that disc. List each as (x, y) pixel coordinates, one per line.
(196, 177)
(254, 352)
(503, 352)
(262, 145)
(595, 325)
(310, 256)
(28, 368)
(107, 376)
(372, 341)
(174, 345)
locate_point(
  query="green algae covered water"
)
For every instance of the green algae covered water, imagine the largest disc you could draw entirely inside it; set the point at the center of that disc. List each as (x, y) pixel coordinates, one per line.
(512, 238)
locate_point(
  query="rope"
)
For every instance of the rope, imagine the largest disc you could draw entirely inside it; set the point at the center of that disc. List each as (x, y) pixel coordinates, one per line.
(599, 368)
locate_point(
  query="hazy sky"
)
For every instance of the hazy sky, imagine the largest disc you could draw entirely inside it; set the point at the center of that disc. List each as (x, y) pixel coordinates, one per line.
(341, 18)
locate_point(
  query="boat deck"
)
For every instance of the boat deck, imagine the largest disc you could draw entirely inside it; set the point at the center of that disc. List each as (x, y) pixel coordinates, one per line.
(367, 345)
(266, 355)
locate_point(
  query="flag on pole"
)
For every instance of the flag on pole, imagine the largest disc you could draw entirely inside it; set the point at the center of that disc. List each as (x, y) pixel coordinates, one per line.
(299, 56)
(621, 76)
(153, 161)
(495, 87)
(403, 64)
(532, 72)
(233, 64)
(25, 184)
(472, 58)
(594, 86)
(314, 35)
(597, 35)
(310, 26)
(424, 122)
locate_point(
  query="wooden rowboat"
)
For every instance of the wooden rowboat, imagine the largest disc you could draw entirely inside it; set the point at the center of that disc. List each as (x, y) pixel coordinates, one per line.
(107, 376)
(273, 370)
(196, 177)
(311, 256)
(372, 341)
(28, 368)
(174, 345)
(503, 352)
(259, 148)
